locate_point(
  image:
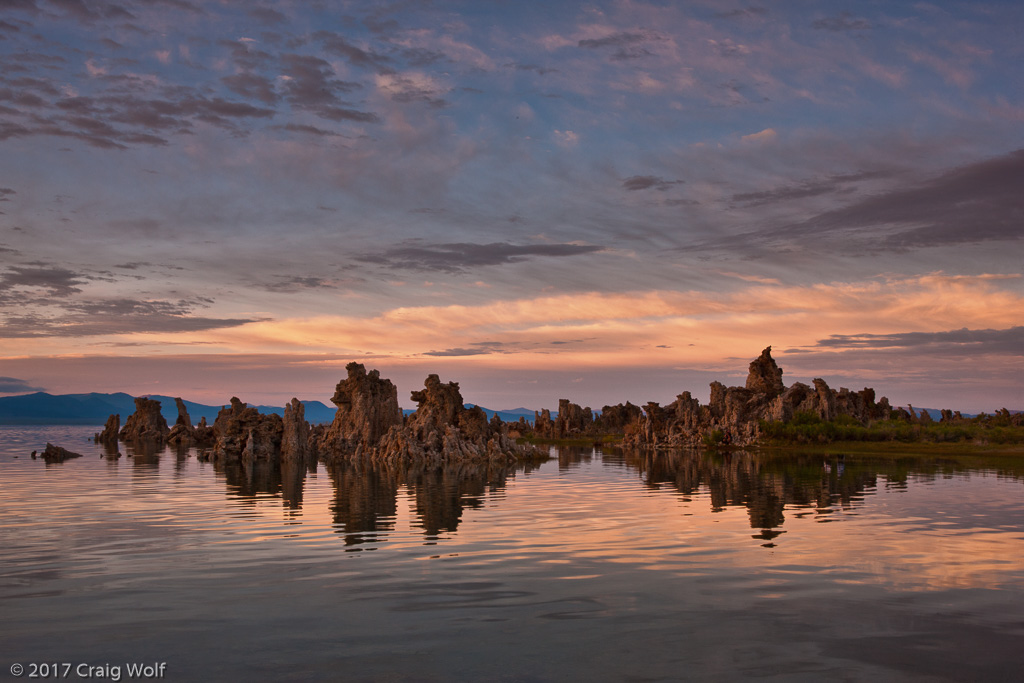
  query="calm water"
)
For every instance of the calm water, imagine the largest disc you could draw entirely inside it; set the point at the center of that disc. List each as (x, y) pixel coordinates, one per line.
(593, 566)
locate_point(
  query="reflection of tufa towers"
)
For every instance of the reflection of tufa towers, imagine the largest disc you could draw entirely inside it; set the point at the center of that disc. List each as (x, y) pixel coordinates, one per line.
(366, 496)
(765, 485)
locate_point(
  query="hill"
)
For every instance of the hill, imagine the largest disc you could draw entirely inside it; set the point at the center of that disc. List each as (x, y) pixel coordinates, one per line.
(42, 408)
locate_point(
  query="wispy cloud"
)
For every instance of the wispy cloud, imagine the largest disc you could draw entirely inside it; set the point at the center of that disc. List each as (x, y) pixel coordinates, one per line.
(459, 257)
(844, 21)
(13, 385)
(647, 182)
(963, 342)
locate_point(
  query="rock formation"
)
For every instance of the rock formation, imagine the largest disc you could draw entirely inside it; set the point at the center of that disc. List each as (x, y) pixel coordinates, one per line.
(146, 423)
(543, 425)
(57, 454)
(443, 430)
(764, 376)
(296, 444)
(614, 419)
(203, 434)
(367, 410)
(736, 412)
(110, 431)
(241, 432)
(182, 433)
(573, 420)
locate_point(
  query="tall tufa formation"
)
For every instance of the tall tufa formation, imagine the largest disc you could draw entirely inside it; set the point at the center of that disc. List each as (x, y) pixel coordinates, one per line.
(182, 433)
(146, 423)
(765, 376)
(367, 409)
(736, 412)
(243, 433)
(296, 444)
(573, 420)
(442, 430)
(110, 431)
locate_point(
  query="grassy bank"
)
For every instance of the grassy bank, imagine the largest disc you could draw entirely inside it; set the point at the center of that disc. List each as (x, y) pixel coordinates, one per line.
(808, 428)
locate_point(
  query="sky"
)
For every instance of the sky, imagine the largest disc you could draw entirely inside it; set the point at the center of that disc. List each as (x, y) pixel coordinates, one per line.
(600, 201)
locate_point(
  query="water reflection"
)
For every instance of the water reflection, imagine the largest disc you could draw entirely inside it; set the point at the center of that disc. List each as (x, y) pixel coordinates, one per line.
(367, 497)
(770, 484)
(250, 481)
(365, 504)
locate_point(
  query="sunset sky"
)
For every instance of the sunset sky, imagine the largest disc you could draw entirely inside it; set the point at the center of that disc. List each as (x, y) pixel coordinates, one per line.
(599, 201)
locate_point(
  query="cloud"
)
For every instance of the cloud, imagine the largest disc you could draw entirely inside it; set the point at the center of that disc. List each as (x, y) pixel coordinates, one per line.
(93, 119)
(766, 135)
(539, 70)
(962, 342)
(179, 4)
(13, 385)
(646, 182)
(973, 203)
(297, 283)
(75, 8)
(566, 138)
(38, 300)
(618, 39)
(309, 84)
(743, 13)
(412, 87)
(844, 21)
(337, 44)
(303, 128)
(114, 317)
(808, 188)
(21, 282)
(267, 15)
(458, 352)
(253, 86)
(458, 257)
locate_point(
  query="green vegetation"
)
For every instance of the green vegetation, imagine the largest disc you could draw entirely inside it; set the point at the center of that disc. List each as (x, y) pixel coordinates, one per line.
(714, 438)
(808, 428)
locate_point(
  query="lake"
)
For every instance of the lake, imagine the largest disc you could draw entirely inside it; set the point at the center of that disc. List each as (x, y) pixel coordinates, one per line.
(591, 566)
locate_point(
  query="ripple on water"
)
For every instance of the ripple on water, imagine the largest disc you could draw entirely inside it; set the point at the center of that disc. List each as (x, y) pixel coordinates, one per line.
(617, 563)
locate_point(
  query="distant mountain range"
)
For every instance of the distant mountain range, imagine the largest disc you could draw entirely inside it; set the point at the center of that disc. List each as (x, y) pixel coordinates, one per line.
(42, 408)
(71, 409)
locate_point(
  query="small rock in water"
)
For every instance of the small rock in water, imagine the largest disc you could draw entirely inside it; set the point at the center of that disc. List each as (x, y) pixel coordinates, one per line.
(58, 454)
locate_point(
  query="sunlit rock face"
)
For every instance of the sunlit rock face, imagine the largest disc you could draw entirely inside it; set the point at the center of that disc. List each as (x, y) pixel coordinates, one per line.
(443, 430)
(242, 433)
(765, 376)
(543, 425)
(182, 433)
(367, 409)
(109, 435)
(146, 423)
(614, 419)
(573, 420)
(296, 441)
(736, 412)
